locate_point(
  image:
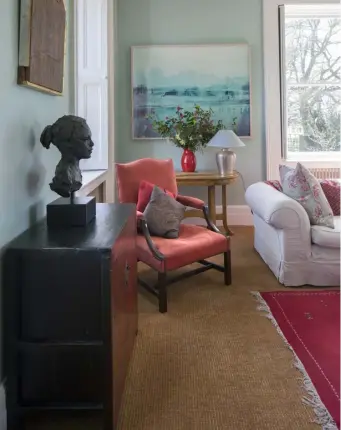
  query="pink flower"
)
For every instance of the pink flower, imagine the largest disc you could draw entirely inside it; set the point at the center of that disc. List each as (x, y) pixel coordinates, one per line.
(292, 182)
(179, 108)
(316, 191)
(318, 211)
(305, 186)
(166, 117)
(181, 115)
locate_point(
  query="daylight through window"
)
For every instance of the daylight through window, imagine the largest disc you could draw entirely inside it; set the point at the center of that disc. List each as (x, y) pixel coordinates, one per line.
(310, 39)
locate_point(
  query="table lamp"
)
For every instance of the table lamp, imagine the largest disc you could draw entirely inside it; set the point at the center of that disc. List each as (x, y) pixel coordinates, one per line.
(226, 159)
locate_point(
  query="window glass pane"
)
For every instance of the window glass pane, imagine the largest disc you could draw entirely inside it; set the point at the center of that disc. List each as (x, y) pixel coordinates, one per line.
(313, 49)
(313, 114)
(311, 73)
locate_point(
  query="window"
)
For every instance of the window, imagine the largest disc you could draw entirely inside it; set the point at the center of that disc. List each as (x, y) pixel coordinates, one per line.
(310, 37)
(302, 83)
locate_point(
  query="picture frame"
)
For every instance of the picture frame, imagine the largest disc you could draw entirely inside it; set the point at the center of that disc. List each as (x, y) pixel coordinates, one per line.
(42, 45)
(213, 76)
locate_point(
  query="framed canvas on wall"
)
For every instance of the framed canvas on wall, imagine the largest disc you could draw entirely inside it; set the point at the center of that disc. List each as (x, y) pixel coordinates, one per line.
(42, 45)
(214, 77)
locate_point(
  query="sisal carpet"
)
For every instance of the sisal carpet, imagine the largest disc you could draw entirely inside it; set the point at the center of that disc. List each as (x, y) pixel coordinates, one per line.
(212, 362)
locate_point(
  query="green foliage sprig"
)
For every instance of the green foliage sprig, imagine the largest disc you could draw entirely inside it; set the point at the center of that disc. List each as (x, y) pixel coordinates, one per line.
(188, 129)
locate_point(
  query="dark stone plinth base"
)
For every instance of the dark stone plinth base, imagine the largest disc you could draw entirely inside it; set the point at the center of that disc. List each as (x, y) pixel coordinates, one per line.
(64, 213)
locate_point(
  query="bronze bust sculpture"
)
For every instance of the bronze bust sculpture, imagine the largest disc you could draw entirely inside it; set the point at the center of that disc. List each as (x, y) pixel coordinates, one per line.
(72, 136)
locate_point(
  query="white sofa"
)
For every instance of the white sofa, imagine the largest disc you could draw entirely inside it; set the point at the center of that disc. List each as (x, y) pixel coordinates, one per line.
(296, 252)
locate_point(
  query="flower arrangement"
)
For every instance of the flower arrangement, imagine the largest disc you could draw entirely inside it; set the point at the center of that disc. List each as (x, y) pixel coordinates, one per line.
(191, 130)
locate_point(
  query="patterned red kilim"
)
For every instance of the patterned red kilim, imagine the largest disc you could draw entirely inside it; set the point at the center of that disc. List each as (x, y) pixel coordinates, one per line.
(310, 322)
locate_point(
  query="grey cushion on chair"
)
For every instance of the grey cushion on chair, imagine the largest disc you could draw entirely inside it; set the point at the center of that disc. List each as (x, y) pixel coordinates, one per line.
(163, 214)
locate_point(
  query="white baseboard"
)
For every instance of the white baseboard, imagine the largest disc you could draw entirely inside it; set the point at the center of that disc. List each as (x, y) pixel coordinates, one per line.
(3, 414)
(236, 215)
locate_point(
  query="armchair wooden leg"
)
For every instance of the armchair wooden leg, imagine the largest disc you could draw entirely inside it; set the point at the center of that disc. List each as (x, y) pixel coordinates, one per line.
(227, 268)
(162, 287)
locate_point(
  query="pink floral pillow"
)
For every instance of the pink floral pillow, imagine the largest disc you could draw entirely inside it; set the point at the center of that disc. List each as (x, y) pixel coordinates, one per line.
(302, 186)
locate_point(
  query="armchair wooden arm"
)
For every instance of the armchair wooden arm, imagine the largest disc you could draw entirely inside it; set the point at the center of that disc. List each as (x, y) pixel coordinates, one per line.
(210, 224)
(143, 227)
(199, 204)
(191, 202)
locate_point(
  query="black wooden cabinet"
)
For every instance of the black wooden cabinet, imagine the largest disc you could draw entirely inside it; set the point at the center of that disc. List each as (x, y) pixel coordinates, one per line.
(70, 317)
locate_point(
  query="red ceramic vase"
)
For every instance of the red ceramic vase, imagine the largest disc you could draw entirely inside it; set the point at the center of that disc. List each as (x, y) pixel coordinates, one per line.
(188, 161)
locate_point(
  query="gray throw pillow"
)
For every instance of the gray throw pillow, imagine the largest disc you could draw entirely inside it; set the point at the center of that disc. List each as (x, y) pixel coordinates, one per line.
(163, 214)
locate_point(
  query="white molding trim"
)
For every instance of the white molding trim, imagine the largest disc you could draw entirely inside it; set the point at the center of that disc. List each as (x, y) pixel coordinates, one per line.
(3, 413)
(272, 82)
(238, 215)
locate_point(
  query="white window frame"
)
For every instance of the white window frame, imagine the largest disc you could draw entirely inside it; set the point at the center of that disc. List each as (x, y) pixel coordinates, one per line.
(272, 90)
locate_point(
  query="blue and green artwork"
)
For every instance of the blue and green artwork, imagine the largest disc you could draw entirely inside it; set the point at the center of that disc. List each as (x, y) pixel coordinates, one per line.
(211, 76)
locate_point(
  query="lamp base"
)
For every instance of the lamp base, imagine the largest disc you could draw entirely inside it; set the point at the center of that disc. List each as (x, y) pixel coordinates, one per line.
(226, 161)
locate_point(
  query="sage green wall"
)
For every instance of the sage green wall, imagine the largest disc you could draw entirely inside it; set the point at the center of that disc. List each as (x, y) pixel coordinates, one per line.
(147, 22)
(25, 166)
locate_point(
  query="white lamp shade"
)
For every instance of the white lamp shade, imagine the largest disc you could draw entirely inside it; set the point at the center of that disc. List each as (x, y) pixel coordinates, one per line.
(225, 139)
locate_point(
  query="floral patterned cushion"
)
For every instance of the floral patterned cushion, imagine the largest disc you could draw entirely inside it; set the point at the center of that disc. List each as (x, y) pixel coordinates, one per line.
(302, 186)
(275, 184)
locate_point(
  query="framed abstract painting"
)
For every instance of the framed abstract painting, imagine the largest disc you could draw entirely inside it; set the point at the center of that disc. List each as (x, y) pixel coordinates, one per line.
(211, 76)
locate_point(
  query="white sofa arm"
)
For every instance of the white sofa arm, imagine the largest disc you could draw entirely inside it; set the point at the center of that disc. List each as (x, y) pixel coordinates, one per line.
(275, 208)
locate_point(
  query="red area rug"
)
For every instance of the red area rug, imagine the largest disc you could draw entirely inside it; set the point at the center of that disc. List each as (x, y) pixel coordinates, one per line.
(309, 322)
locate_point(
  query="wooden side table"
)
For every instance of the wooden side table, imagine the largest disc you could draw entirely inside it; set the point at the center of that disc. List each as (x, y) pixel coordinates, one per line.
(209, 179)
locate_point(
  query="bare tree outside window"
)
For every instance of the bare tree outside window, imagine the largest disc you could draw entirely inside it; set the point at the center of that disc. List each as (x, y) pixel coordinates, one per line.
(313, 83)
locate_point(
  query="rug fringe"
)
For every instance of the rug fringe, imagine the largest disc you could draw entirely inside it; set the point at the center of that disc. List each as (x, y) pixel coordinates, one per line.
(323, 417)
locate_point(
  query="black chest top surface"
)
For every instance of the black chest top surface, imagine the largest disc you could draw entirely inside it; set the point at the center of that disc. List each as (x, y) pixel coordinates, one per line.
(99, 235)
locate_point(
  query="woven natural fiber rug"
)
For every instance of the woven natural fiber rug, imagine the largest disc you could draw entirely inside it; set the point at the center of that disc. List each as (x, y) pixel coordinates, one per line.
(309, 323)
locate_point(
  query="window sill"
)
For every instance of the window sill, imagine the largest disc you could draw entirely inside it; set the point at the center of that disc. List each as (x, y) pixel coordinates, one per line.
(91, 180)
(313, 164)
(325, 158)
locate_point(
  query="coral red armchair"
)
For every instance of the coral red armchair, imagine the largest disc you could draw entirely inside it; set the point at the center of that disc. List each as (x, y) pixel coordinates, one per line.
(195, 243)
